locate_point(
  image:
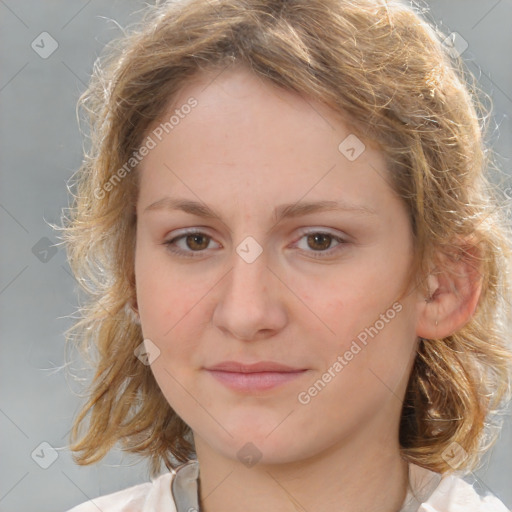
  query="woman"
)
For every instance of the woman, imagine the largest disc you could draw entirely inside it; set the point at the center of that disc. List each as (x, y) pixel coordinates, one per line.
(297, 270)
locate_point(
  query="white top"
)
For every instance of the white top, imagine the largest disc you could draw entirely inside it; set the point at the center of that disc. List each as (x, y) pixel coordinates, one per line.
(178, 492)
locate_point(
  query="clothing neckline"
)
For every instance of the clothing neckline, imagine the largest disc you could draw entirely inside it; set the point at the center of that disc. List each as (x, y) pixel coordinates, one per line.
(185, 487)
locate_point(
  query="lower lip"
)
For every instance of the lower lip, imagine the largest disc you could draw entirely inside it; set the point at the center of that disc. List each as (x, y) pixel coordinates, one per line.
(257, 381)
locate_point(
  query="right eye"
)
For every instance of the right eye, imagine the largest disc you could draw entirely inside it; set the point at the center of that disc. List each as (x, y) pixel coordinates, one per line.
(191, 242)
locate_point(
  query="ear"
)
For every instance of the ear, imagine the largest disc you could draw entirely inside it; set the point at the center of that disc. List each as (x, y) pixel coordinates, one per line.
(132, 309)
(455, 287)
(135, 305)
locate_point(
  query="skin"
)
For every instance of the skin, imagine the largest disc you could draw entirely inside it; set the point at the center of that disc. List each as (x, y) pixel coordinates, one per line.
(246, 148)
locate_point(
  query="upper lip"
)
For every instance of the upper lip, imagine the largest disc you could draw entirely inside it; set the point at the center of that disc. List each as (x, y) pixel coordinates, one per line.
(261, 366)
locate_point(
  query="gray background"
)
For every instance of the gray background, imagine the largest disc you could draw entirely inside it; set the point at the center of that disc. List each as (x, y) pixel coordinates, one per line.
(40, 149)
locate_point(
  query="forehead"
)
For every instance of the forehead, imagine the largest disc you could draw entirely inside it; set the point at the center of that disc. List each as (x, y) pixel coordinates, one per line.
(231, 135)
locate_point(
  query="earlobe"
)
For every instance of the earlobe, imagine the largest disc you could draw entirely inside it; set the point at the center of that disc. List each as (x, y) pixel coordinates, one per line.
(454, 293)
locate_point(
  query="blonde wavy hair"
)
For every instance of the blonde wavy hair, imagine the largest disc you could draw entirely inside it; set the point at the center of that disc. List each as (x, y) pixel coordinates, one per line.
(382, 66)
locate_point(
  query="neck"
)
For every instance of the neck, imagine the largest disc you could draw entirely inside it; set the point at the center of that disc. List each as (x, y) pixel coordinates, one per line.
(353, 476)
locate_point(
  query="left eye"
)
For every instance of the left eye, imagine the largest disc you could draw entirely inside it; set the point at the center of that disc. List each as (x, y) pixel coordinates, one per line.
(320, 242)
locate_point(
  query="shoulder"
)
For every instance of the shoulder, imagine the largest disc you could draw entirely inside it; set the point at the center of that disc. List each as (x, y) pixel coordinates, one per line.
(455, 494)
(450, 493)
(148, 496)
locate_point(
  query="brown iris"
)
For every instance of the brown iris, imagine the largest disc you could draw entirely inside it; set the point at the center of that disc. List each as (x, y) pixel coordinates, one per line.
(195, 238)
(323, 239)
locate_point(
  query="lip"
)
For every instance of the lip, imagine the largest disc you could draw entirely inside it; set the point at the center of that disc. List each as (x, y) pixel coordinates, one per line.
(254, 381)
(261, 366)
(260, 376)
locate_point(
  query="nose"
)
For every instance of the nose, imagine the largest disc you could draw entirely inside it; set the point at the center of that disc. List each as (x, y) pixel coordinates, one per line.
(251, 302)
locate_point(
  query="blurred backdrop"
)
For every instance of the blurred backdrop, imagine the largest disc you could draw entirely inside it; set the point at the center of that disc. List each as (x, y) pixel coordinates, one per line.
(47, 51)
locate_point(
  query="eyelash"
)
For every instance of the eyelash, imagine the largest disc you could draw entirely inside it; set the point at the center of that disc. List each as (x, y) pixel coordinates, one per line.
(198, 254)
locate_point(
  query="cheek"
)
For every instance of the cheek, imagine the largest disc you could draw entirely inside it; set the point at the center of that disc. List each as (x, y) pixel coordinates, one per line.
(161, 293)
(348, 302)
(368, 328)
(171, 304)
(160, 287)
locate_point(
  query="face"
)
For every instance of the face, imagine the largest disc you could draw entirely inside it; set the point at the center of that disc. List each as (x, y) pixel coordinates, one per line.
(240, 277)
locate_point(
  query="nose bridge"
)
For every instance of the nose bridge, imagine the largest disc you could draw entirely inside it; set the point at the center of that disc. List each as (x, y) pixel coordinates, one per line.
(249, 268)
(249, 306)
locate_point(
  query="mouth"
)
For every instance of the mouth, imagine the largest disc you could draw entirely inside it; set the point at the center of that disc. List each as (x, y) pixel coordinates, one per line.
(260, 376)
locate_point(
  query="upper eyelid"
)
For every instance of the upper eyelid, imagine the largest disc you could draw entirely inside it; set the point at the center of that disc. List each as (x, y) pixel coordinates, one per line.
(302, 232)
(190, 231)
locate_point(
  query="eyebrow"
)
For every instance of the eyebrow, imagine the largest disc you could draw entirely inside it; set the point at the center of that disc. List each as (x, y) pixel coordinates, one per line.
(287, 210)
